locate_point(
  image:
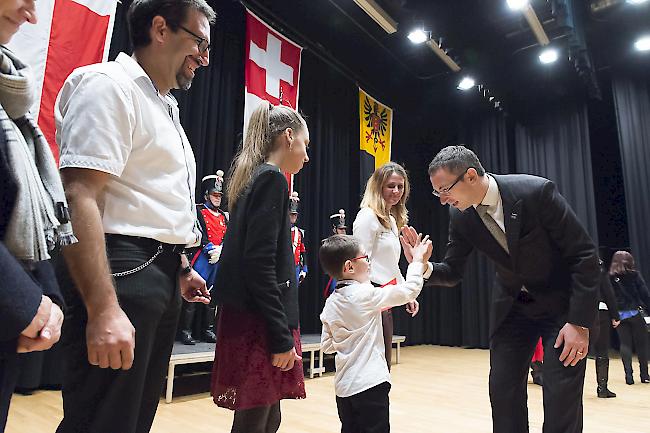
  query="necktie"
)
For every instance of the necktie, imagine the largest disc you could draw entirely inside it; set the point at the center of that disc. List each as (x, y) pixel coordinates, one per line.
(492, 226)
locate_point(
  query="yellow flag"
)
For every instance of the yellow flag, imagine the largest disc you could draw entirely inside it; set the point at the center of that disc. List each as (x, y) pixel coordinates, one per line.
(376, 128)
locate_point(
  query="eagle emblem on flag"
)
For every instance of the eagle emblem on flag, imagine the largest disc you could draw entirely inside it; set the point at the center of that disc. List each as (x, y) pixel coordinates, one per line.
(376, 119)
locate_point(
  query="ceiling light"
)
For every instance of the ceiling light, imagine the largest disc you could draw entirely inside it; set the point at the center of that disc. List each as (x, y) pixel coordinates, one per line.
(517, 5)
(379, 15)
(466, 83)
(418, 36)
(642, 44)
(549, 55)
(636, 2)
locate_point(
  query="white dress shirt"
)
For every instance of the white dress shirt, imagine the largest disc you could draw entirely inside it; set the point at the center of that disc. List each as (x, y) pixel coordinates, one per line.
(352, 328)
(382, 246)
(111, 118)
(493, 200)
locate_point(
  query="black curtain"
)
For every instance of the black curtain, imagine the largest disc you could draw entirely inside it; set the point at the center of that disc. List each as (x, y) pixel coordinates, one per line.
(555, 144)
(632, 102)
(328, 182)
(487, 136)
(418, 135)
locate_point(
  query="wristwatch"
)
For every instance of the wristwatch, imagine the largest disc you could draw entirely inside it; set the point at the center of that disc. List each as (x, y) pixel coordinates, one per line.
(186, 270)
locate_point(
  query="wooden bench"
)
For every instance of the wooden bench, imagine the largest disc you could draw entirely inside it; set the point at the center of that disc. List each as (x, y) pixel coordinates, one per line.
(204, 352)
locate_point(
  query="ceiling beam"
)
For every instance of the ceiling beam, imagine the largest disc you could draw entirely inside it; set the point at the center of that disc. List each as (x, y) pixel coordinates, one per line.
(443, 56)
(379, 15)
(536, 25)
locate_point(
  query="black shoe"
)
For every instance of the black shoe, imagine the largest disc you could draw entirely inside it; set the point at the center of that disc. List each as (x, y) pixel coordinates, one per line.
(629, 379)
(209, 337)
(645, 380)
(604, 393)
(186, 338)
(602, 375)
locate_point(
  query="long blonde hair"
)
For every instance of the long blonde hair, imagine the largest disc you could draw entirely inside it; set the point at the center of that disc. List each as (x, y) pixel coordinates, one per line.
(374, 199)
(266, 123)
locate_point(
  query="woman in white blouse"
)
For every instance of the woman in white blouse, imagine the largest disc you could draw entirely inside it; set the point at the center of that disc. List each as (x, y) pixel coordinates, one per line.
(378, 224)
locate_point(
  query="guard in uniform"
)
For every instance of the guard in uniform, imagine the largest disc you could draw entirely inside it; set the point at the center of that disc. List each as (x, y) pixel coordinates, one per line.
(338, 228)
(297, 239)
(213, 222)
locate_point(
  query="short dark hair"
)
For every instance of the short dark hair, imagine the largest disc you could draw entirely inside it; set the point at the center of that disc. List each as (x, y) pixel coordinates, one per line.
(456, 159)
(335, 250)
(142, 12)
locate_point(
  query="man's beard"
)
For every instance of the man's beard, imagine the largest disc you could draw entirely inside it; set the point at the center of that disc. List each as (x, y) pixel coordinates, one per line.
(183, 82)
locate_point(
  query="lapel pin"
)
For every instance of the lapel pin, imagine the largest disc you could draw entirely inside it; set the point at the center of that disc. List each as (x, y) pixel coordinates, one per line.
(513, 216)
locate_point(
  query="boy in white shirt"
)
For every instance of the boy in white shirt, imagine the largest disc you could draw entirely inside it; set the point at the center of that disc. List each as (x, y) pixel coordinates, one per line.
(352, 328)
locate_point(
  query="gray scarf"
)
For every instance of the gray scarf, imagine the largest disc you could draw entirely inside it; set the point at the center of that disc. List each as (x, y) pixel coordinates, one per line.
(40, 218)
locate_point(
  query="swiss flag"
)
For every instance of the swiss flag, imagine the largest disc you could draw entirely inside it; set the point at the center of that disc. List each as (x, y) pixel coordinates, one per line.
(69, 34)
(271, 70)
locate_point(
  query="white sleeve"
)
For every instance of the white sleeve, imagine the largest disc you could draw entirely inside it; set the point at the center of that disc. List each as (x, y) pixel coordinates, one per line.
(428, 271)
(326, 340)
(94, 121)
(365, 228)
(399, 294)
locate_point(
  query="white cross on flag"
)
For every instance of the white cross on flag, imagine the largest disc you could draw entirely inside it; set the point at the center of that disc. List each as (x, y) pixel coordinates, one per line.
(69, 34)
(272, 68)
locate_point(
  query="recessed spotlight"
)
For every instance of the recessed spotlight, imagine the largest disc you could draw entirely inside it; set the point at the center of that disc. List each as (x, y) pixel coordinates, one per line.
(517, 5)
(466, 84)
(549, 55)
(642, 44)
(636, 2)
(418, 36)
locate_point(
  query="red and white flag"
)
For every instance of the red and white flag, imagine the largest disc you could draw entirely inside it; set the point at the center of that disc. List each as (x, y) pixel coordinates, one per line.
(69, 34)
(271, 71)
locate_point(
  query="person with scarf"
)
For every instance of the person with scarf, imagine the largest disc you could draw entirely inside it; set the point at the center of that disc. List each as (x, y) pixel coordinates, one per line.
(33, 215)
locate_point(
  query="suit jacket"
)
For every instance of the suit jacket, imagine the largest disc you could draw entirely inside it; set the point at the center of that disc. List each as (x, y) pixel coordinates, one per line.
(256, 269)
(551, 254)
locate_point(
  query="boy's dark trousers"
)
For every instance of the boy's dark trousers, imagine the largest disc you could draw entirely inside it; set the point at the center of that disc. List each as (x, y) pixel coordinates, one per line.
(365, 412)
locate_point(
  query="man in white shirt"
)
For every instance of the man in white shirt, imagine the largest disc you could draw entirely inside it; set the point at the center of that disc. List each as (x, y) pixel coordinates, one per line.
(129, 174)
(352, 327)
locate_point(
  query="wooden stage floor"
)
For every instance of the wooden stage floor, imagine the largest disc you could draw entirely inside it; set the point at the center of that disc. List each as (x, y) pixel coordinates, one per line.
(435, 389)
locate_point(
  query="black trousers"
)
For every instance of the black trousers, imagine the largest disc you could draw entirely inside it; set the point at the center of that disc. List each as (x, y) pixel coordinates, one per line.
(366, 412)
(511, 349)
(387, 329)
(8, 375)
(102, 400)
(599, 335)
(631, 332)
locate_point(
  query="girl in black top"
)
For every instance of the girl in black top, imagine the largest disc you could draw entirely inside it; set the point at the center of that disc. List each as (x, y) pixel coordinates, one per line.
(258, 354)
(631, 293)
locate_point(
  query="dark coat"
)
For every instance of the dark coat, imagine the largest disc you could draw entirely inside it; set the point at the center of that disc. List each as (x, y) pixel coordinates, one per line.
(551, 254)
(256, 269)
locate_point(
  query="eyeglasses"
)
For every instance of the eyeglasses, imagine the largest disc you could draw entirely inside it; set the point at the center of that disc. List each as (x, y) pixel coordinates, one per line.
(366, 258)
(445, 191)
(202, 43)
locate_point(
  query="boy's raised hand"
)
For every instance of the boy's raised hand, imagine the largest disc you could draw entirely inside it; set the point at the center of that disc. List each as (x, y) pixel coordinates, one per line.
(422, 250)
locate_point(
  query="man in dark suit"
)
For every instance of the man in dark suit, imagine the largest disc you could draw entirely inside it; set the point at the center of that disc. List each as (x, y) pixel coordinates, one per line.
(547, 278)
